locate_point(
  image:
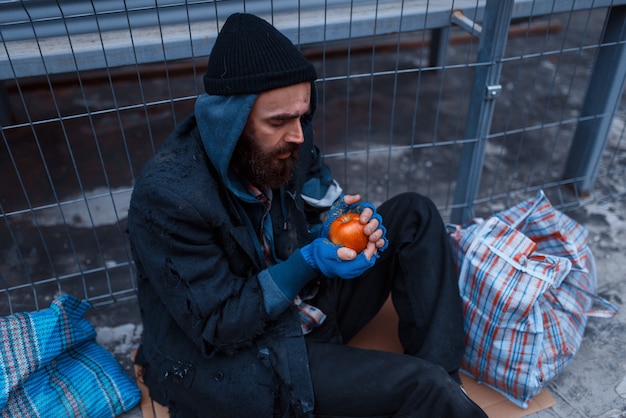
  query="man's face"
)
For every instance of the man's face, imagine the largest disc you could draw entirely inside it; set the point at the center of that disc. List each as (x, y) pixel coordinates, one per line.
(267, 150)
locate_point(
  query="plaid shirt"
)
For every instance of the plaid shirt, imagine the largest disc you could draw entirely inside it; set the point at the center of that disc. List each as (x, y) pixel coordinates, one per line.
(310, 316)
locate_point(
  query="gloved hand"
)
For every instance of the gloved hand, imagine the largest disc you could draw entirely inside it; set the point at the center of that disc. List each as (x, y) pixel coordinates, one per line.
(321, 255)
(339, 208)
(383, 229)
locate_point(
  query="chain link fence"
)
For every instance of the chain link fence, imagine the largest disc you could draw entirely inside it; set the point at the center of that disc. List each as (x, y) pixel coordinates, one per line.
(477, 104)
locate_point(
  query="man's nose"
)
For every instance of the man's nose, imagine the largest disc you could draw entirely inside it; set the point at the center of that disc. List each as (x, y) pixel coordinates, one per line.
(295, 134)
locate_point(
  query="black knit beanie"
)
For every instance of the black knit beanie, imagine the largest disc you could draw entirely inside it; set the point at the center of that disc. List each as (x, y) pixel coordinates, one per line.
(251, 56)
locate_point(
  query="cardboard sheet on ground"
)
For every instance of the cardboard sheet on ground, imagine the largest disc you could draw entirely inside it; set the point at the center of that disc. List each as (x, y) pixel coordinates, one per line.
(149, 408)
(381, 334)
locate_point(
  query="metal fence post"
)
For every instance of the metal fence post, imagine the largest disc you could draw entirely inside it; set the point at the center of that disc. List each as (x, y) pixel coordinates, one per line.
(601, 101)
(485, 90)
(438, 44)
(5, 107)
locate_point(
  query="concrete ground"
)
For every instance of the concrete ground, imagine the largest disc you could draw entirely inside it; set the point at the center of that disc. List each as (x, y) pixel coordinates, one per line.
(594, 384)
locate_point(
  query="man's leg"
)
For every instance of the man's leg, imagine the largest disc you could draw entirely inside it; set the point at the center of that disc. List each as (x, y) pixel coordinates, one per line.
(418, 269)
(352, 382)
(425, 288)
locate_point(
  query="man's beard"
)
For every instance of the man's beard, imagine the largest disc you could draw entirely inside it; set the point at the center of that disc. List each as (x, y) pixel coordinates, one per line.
(261, 168)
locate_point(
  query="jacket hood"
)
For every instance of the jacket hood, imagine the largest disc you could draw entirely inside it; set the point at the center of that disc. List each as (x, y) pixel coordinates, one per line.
(221, 120)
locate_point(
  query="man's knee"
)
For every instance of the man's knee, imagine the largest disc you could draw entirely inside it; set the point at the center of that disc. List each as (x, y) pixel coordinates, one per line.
(429, 387)
(410, 201)
(417, 374)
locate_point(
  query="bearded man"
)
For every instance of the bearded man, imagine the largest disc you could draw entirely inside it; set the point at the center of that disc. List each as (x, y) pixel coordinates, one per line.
(246, 305)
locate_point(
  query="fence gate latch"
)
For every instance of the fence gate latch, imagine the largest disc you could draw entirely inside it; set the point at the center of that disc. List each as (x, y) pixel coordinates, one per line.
(494, 91)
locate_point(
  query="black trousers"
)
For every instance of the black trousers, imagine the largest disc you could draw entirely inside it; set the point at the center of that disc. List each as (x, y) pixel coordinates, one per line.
(417, 269)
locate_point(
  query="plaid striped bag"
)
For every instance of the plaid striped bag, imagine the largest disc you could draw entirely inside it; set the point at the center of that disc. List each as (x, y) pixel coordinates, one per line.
(528, 282)
(51, 366)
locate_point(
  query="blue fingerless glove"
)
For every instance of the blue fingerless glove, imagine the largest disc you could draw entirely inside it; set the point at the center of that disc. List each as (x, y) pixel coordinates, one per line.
(321, 255)
(384, 236)
(339, 208)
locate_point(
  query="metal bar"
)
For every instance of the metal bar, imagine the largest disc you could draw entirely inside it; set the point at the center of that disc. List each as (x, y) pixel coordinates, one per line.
(5, 106)
(438, 46)
(601, 101)
(41, 55)
(47, 16)
(50, 49)
(467, 24)
(485, 88)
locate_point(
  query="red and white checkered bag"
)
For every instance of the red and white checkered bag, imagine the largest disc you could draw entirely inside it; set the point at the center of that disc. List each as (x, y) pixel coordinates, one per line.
(528, 282)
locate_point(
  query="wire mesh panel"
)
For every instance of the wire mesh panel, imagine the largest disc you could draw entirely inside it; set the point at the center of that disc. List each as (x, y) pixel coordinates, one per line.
(91, 89)
(545, 84)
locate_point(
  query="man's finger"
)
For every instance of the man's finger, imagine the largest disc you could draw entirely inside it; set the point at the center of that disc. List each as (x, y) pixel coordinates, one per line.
(346, 254)
(351, 199)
